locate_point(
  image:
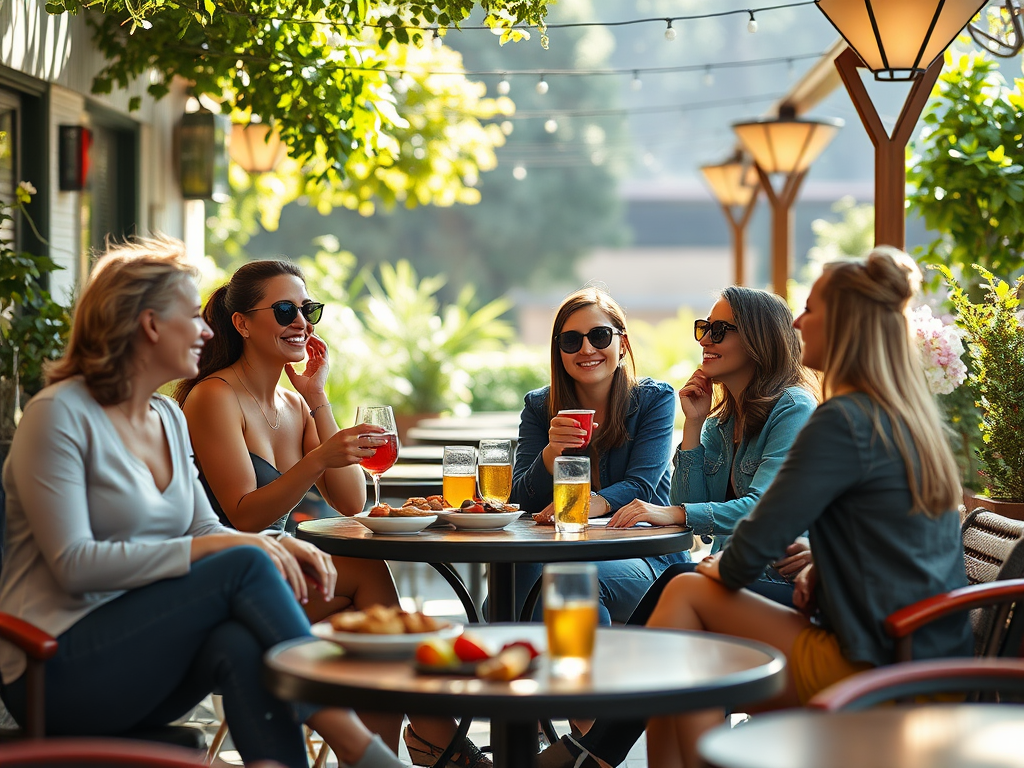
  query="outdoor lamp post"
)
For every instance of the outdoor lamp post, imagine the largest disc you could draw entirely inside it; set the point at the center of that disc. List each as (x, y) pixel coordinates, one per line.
(256, 147)
(202, 161)
(786, 145)
(897, 41)
(735, 185)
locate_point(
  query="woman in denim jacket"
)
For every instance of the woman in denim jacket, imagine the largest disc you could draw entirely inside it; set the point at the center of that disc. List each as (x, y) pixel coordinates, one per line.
(592, 367)
(729, 455)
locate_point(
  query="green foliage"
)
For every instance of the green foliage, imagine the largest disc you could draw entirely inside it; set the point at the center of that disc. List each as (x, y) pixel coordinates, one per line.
(852, 236)
(498, 380)
(327, 76)
(995, 338)
(967, 173)
(666, 351)
(421, 342)
(33, 326)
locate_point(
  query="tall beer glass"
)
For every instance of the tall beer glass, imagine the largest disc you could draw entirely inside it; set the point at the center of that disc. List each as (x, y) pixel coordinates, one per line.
(494, 468)
(572, 493)
(459, 474)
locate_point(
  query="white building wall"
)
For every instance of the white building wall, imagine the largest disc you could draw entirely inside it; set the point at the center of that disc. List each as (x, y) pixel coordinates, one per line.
(66, 108)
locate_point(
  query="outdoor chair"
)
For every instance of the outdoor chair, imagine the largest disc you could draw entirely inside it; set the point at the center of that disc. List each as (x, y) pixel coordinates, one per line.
(99, 752)
(994, 559)
(922, 678)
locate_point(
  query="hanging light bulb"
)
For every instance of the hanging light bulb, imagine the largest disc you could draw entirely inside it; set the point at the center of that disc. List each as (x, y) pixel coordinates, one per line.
(401, 86)
(504, 86)
(437, 41)
(636, 84)
(670, 34)
(519, 172)
(752, 24)
(709, 77)
(542, 86)
(551, 125)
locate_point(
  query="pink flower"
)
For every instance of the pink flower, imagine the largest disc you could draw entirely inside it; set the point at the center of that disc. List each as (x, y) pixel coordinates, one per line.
(941, 348)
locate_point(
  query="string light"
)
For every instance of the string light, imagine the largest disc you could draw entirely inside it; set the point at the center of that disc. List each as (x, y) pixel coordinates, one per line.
(752, 24)
(519, 172)
(400, 85)
(437, 42)
(670, 34)
(636, 83)
(504, 86)
(542, 86)
(551, 125)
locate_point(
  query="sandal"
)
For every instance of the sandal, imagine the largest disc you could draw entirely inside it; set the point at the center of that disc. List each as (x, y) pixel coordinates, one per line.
(566, 753)
(424, 753)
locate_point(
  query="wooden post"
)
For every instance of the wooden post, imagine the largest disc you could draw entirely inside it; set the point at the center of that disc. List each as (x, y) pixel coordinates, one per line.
(782, 229)
(890, 151)
(738, 227)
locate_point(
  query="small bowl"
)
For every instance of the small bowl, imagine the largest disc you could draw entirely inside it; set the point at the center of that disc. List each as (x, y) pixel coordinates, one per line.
(479, 521)
(397, 526)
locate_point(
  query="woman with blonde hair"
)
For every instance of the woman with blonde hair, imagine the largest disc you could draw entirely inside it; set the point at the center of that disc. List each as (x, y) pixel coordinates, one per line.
(113, 548)
(260, 447)
(871, 478)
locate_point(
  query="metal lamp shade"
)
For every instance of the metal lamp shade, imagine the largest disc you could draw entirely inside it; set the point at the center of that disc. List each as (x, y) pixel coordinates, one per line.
(899, 39)
(256, 147)
(786, 144)
(730, 182)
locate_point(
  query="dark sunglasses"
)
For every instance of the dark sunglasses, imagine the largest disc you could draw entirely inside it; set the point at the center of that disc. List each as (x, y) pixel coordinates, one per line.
(285, 312)
(718, 329)
(599, 337)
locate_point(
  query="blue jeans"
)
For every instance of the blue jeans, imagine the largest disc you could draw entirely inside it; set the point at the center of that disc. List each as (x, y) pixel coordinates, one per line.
(149, 656)
(621, 584)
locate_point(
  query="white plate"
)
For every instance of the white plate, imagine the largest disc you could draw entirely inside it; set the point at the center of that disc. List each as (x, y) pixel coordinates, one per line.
(401, 526)
(479, 521)
(380, 645)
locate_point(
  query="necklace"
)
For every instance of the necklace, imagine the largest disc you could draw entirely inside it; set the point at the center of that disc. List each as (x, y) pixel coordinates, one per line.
(277, 412)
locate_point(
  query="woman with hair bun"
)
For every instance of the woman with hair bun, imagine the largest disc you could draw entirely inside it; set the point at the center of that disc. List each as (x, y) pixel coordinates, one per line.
(113, 548)
(260, 447)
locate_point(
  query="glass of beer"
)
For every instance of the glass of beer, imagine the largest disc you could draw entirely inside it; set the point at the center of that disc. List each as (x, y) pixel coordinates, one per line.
(572, 493)
(494, 470)
(570, 616)
(459, 474)
(387, 453)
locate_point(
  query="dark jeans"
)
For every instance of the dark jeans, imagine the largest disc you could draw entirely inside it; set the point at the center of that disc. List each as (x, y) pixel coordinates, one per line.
(149, 656)
(611, 740)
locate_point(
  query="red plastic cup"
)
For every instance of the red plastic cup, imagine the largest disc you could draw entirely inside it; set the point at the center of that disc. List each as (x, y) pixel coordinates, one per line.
(585, 420)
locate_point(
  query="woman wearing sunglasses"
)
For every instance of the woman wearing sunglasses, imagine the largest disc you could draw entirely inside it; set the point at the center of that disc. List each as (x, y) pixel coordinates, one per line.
(260, 447)
(112, 546)
(592, 368)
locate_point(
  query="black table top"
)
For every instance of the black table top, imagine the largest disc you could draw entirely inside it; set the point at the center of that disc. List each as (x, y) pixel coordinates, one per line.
(521, 542)
(932, 736)
(631, 677)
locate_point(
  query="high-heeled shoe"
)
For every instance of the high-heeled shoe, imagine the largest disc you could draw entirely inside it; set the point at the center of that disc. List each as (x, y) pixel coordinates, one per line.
(423, 752)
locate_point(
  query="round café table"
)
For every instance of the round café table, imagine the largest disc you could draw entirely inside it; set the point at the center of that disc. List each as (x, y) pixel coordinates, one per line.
(521, 542)
(929, 736)
(636, 673)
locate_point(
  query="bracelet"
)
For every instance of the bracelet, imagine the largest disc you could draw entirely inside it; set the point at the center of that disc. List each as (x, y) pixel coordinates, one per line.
(322, 405)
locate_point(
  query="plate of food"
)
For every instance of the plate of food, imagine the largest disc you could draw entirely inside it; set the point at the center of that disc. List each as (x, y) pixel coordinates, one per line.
(399, 525)
(481, 516)
(383, 631)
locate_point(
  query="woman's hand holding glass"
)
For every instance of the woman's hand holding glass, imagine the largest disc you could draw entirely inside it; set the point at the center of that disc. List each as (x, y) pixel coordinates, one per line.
(695, 397)
(564, 434)
(641, 512)
(350, 446)
(311, 382)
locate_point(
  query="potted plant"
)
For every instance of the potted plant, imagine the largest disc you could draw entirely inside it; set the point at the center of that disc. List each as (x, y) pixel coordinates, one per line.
(33, 326)
(995, 341)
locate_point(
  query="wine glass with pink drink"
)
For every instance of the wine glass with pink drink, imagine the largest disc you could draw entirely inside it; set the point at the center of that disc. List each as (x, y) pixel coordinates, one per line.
(385, 455)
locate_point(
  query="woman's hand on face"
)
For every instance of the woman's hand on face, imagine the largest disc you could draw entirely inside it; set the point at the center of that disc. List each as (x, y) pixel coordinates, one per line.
(798, 557)
(311, 382)
(695, 397)
(315, 564)
(350, 446)
(641, 512)
(709, 566)
(565, 433)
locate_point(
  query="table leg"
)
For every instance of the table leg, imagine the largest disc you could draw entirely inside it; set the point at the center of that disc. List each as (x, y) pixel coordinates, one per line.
(501, 592)
(513, 744)
(447, 570)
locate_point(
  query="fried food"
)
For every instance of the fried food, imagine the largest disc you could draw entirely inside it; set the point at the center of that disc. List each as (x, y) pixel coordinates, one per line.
(485, 507)
(384, 620)
(386, 510)
(430, 503)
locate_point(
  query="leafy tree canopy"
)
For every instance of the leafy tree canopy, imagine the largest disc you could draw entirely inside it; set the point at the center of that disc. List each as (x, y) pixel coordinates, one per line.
(329, 76)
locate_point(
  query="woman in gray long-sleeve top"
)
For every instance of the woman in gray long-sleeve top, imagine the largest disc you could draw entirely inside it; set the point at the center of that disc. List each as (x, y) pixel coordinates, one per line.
(873, 481)
(113, 548)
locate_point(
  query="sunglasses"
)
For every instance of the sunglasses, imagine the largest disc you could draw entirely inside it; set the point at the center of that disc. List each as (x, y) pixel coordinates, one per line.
(599, 337)
(285, 312)
(717, 329)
